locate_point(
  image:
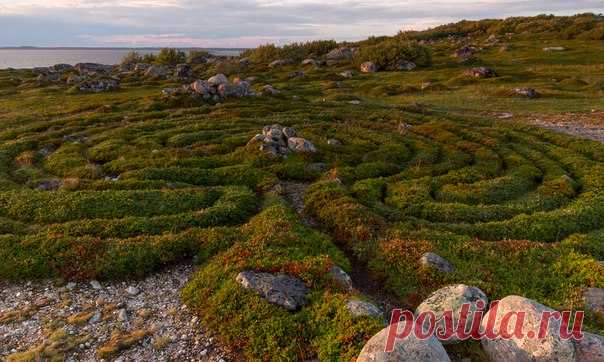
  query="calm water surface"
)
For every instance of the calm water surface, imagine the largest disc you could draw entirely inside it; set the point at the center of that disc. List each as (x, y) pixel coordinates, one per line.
(30, 58)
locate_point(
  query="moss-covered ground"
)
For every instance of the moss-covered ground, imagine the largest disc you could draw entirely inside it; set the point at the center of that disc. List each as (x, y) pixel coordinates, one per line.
(516, 209)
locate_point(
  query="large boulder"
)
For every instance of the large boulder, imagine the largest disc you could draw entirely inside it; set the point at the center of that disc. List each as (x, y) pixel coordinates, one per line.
(410, 349)
(228, 90)
(452, 298)
(369, 67)
(61, 68)
(283, 290)
(521, 349)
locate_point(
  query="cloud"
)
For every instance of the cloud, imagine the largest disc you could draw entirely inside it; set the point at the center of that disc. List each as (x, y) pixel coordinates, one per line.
(243, 22)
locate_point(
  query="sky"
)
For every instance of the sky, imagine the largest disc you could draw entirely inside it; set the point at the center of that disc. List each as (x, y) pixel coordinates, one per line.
(244, 23)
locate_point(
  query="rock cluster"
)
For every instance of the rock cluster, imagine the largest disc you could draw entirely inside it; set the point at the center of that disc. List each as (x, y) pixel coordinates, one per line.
(99, 85)
(215, 88)
(516, 349)
(281, 141)
(465, 52)
(87, 77)
(282, 290)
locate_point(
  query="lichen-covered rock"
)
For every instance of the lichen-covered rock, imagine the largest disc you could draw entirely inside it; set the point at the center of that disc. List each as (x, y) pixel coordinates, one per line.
(300, 145)
(92, 68)
(283, 290)
(369, 67)
(407, 349)
(435, 261)
(341, 277)
(359, 308)
(452, 298)
(551, 348)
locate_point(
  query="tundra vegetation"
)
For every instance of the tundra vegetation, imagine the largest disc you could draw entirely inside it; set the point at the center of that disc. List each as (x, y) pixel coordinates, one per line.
(119, 184)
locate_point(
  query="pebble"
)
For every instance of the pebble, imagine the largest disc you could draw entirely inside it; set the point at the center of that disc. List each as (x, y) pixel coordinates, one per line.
(132, 290)
(95, 285)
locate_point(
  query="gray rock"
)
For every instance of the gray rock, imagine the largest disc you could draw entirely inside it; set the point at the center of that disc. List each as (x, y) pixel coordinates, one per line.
(95, 318)
(300, 145)
(552, 348)
(451, 298)
(310, 61)
(464, 53)
(183, 71)
(156, 71)
(339, 55)
(481, 72)
(341, 277)
(406, 66)
(334, 142)
(435, 261)
(347, 74)
(359, 308)
(526, 92)
(283, 290)
(289, 132)
(99, 85)
(132, 290)
(554, 49)
(93, 68)
(95, 284)
(590, 348)
(369, 67)
(409, 349)
(201, 87)
(217, 80)
(594, 299)
(122, 315)
(75, 79)
(70, 286)
(297, 74)
(280, 63)
(141, 67)
(269, 90)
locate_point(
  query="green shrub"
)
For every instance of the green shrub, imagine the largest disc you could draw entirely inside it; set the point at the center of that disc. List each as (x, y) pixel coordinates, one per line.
(170, 56)
(389, 54)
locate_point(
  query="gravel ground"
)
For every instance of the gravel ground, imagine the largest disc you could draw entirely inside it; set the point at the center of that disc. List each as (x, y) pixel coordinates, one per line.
(145, 318)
